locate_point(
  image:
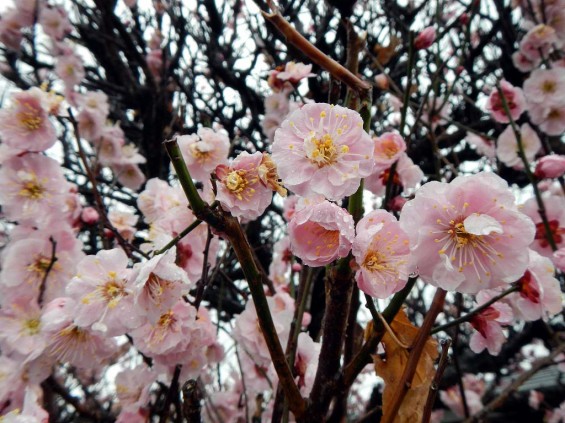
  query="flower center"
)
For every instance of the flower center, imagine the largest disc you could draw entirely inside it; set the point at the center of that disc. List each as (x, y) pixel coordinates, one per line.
(200, 151)
(30, 120)
(166, 319)
(548, 87)
(322, 151)
(112, 292)
(554, 114)
(390, 149)
(528, 289)
(374, 261)
(236, 182)
(39, 265)
(461, 236)
(465, 249)
(31, 326)
(32, 190)
(480, 321)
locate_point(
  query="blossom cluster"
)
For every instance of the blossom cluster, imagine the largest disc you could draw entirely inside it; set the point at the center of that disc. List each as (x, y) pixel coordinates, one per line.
(133, 297)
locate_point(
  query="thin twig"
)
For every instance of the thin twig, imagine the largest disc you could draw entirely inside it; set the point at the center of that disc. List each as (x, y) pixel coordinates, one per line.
(52, 262)
(434, 387)
(295, 38)
(177, 238)
(476, 311)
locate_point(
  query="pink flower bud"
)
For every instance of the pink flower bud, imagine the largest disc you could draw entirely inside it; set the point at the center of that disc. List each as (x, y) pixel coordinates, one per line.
(552, 166)
(464, 19)
(381, 81)
(89, 215)
(296, 267)
(425, 38)
(397, 203)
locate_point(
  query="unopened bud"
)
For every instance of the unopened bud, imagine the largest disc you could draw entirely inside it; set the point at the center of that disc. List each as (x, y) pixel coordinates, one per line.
(552, 166)
(381, 81)
(89, 215)
(425, 38)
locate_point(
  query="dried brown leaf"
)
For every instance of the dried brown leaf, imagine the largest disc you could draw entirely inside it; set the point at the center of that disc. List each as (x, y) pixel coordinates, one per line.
(385, 53)
(392, 365)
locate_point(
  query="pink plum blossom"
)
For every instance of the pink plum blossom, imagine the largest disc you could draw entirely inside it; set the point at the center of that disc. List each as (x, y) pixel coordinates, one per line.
(507, 146)
(282, 258)
(523, 63)
(133, 385)
(467, 235)
(388, 148)
(407, 175)
(70, 69)
(514, 98)
(33, 186)
(11, 24)
(26, 263)
(539, 42)
(294, 72)
(539, 295)
(425, 38)
(555, 213)
(55, 22)
(240, 189)
(69, 342)
(226, 406)
(103, 293)
(306, 362)
(277, 106)
(323, 149)
(321, 233)
(381, 250)
(535, 399)
(21, 328)
(157, 198)
(557, 415)
(488, 323)
(180, 335)
(483, 145)
(25, 125)
(289, 206)
(551, 166)
(247, 333)
(550, 119)
(158, 284)
(544, 86)
(204, 151)
(451, 397)
(129, 175)
(190, 249)
(91, 125)
(436, 111)
(124, 222)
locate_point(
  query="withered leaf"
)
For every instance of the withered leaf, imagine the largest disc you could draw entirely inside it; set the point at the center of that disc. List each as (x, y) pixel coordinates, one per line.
(385, 53)
(392, 365)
